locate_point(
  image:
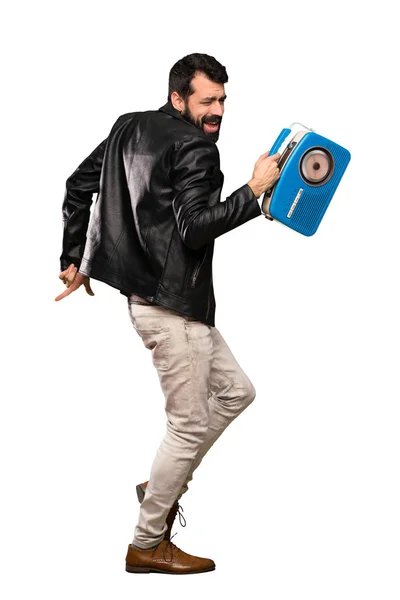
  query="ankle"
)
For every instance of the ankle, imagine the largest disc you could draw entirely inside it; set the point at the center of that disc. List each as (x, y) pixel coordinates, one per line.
(139, 548)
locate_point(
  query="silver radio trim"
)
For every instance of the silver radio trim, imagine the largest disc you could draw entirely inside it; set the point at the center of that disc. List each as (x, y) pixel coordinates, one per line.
(268, 194)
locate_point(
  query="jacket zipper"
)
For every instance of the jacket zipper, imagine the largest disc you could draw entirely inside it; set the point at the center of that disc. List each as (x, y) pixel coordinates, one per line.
(194, 278)
(208, 305)
(195, 274)
(197, 270)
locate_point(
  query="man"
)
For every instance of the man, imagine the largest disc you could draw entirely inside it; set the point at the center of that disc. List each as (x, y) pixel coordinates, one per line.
(152, 232)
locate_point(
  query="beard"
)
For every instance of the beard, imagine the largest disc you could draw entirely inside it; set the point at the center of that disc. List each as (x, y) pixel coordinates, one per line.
(200, 121)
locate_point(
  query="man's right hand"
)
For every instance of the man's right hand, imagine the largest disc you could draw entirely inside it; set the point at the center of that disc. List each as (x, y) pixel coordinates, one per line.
(73, 280)
(265, 173)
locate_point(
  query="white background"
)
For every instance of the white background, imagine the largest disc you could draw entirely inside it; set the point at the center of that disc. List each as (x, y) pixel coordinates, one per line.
(300, 497)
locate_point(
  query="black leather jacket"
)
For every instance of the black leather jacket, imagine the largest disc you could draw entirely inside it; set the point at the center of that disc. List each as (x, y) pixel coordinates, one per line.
(157, 212)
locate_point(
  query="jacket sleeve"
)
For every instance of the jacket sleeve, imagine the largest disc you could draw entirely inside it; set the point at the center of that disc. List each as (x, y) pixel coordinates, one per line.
(194, 164)
(80, 186)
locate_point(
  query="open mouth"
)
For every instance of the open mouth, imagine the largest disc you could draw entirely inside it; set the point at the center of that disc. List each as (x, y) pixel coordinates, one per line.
(211, 127)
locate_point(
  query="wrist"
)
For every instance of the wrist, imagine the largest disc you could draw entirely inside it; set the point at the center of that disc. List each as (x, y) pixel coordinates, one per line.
(255, 188)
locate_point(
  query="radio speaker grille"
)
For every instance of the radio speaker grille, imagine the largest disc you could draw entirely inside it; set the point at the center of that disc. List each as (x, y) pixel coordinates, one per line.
(314, 201)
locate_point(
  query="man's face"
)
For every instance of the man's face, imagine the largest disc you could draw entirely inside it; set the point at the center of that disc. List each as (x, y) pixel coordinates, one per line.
(205, 107)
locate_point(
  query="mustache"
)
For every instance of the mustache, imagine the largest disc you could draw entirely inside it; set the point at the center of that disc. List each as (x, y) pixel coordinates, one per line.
(211, 119)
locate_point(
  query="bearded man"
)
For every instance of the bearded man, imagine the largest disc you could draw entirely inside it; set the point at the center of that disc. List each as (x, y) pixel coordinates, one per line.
(151, 236)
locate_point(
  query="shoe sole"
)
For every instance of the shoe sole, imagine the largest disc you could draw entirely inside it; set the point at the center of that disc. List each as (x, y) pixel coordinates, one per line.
(130, 569)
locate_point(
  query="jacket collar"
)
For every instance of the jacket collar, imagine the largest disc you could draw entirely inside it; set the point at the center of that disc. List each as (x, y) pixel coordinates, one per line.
(170, 110)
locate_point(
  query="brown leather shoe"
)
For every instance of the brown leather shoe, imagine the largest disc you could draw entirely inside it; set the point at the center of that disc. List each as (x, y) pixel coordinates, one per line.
(176, 509)
(165, 558)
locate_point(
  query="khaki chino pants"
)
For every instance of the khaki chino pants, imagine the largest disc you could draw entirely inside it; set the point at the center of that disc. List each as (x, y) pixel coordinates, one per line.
(205, 389)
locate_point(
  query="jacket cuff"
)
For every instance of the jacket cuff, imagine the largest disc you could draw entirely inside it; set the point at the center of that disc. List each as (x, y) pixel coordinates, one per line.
(252, 195)
(64, 264)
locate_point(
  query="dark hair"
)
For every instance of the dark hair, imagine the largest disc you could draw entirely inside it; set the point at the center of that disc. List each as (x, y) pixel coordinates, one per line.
(183, 71)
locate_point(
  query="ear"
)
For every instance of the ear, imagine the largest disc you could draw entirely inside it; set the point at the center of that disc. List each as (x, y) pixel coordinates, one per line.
(177, 102)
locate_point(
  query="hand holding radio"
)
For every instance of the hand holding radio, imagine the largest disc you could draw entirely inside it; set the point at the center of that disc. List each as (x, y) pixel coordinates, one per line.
(265, 173)
(310, 169)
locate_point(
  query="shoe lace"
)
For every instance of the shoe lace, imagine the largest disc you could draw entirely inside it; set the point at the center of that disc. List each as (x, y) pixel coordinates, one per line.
(171, 547)
(180, 516)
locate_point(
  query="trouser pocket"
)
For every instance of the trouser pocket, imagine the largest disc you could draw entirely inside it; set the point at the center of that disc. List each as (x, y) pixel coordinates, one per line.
(156, 340)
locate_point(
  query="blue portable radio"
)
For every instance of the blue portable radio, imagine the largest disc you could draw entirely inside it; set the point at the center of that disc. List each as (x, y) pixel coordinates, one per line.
(311, 168)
